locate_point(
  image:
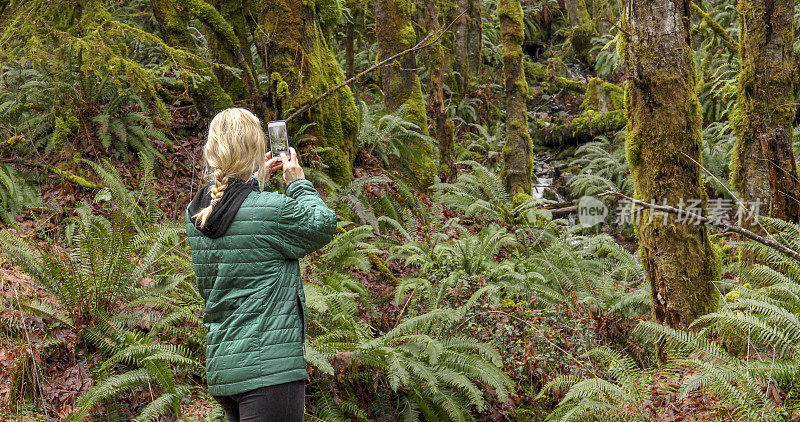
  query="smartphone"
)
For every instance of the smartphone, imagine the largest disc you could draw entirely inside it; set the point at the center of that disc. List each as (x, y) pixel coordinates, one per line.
(278, 138)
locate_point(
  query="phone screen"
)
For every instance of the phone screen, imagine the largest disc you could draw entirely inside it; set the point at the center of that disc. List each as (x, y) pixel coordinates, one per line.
(278, 138)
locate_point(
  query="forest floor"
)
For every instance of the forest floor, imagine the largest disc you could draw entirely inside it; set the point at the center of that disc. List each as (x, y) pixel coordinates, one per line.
(67, 374)
(549, 339)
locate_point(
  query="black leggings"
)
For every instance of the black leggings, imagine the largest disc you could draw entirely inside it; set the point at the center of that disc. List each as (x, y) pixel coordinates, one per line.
(282, 402)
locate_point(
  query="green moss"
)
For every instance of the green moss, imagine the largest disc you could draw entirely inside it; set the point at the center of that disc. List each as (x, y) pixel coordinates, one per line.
(520, 198)
(204, 87)
(330, 13)
(517, 169)
(64, 127)
(547, 79)
(230, 73)
(602, 96)
(509, 10)
(400, 82)
(407, 37)
(581, 40)
(602, 112)
(303, 67)
(765, 103)
(583, 128)
(663, 146)
(210, 16)
(622, 39)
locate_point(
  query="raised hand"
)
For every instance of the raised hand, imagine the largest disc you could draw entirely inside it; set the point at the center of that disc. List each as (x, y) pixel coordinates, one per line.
(291, 167)
(273, 164)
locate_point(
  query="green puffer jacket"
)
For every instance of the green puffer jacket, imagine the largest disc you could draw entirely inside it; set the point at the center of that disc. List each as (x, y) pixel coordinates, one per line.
(249, 279)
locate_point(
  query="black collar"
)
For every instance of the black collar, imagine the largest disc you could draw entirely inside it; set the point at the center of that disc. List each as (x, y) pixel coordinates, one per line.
(225, 210)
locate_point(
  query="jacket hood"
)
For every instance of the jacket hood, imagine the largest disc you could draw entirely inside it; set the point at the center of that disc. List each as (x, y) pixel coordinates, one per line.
(224, 211)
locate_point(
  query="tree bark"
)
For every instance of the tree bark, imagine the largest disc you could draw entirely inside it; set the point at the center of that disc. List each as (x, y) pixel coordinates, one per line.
(443, 129)
(467, 41)
(203, 85)
(302, 66)
(400, 81)
(349, 50)
(517, 168)
(474, 37)
(763, 165)
(234, 13)
(663, 137)
(583, 29)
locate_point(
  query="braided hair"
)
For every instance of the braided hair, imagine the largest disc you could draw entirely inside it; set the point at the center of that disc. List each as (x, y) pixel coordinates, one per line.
(235, 148)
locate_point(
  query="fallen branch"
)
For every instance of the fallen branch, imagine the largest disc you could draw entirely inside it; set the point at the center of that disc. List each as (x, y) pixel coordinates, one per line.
(380, 265)
(564, 211)
(551, 82)
(705, 220)
(424, 43)
(69, 177)
(583, 128)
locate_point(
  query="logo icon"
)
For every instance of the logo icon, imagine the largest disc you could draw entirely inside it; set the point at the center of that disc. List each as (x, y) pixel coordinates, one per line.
(591, 211)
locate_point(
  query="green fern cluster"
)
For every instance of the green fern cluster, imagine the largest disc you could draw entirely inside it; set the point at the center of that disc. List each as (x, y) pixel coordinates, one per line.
(431, 371)
(47, 111)
(621, 397)
(389, 136)
(603, 167)
(107, 261)
(16, 194)
(738, 354)
(134, 360)
(607, 61)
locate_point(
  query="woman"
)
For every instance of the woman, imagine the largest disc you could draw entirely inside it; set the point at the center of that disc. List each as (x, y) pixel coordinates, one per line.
(245, 244)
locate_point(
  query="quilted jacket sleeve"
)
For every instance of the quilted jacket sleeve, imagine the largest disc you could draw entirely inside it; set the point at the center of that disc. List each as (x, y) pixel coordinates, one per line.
(306, 223)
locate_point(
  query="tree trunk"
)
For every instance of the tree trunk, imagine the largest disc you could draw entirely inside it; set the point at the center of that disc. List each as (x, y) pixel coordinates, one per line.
(583, 29)
(474, 38)
(349, 50)
(467, 41)
(460, 34)
(203, 85)
(663, 137)
(517, 160)
(302, 66)
(234, 13)
(239, 50)
(443, 129)
(400, 81)
(763, 166)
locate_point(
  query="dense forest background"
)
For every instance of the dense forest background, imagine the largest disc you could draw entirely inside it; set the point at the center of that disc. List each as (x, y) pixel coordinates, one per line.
(462, 144)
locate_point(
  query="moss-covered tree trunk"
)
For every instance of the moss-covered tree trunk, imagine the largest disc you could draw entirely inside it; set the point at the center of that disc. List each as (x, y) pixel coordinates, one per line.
(349, 50)
(302, 67)
(475, 37)
(517, 169)
(356, 8)
(763, 165)
(466, 40)
(234, 13)
(583, 28)
(443, 128)
(663, 137)
(237, 47)
(204, 87)
(400, 81)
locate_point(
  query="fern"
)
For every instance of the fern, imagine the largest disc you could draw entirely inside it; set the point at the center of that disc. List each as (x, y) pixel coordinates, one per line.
(390, 136)
(16, 194)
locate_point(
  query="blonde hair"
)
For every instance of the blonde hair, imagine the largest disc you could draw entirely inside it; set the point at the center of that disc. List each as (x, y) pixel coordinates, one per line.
(235, 148)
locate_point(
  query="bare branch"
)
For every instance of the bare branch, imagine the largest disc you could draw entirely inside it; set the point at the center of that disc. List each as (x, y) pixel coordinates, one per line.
(428, 41)
(705, 220)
